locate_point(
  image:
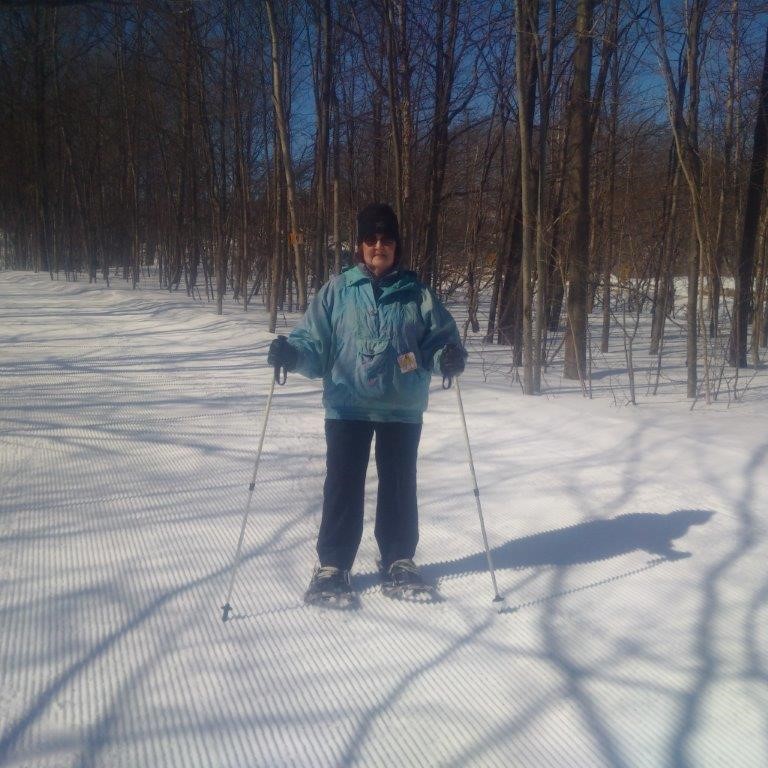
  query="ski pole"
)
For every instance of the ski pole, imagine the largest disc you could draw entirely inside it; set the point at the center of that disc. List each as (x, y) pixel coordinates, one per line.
(447, 381)
(279, 376)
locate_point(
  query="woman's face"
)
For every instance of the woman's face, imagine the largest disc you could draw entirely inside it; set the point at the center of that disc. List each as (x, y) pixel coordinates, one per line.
(378, 253)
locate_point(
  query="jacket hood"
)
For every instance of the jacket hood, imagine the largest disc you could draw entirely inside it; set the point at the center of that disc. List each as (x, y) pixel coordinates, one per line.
(398, 279)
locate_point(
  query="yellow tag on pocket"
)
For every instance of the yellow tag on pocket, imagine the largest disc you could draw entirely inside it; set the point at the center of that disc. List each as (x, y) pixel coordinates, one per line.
(407, 362)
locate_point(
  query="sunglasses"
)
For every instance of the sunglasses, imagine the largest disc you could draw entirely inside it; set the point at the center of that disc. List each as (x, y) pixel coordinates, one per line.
(371, 241)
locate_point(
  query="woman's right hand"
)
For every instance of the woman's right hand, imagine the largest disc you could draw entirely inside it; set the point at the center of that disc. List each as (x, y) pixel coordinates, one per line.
(282, 355)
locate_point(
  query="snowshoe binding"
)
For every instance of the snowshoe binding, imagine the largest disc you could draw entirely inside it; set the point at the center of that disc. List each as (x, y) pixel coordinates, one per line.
(403, 581)
(330, 587)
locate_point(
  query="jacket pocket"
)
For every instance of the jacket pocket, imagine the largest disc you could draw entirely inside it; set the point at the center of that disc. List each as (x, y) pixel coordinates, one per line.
(373, 368)
(412, 388)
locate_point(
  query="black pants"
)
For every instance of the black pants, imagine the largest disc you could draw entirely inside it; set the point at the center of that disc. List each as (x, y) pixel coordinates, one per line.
(397, 519)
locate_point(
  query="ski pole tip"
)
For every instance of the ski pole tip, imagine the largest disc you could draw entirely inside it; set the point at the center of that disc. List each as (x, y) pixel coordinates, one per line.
(226, 610)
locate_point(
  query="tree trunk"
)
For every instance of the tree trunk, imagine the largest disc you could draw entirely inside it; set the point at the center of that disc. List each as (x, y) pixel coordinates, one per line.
(276, 286)
(446, 15)
(555, 270)
(613, 123)
(399, 94)
(545, 66)
(44, 229)
(285, 148)
(752, 208)
(727, 189)
(664, 284)
(760, 332)
(336, 184)
(323, 103)
(685, 131)
(526, 16)
(580, 133)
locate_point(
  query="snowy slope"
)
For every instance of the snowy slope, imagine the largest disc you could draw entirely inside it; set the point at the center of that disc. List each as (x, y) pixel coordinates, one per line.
(630, 545)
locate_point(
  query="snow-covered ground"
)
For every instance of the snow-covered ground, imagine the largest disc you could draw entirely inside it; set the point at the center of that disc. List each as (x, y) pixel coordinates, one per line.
(630, 544)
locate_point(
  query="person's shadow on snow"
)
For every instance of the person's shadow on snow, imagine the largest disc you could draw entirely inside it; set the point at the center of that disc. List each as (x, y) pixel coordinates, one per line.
(583, 543)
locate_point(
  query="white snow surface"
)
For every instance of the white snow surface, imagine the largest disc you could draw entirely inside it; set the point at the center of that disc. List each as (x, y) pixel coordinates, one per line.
(630, 545)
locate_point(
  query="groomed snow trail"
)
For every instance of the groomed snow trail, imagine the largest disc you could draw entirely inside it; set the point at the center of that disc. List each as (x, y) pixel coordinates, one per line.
(630, 545)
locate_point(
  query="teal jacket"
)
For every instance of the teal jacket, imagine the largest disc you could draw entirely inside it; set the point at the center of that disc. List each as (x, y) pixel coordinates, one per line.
(375, 346)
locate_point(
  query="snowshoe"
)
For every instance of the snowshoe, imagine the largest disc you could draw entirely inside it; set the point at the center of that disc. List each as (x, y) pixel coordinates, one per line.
(403, 581)
(330, 587)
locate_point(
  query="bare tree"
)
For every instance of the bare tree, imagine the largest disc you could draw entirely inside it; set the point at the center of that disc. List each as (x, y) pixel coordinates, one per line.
(685, 132)
(727, 185)
(323, 80)
(580, 134)
(285, 148)
(446, 62)
(526, 27)
(752, 208)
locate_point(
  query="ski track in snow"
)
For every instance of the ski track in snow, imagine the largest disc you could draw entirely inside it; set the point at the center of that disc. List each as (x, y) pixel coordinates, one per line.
(630, 546)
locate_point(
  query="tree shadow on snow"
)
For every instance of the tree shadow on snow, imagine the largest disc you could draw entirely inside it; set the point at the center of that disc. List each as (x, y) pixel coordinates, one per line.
(587, 542)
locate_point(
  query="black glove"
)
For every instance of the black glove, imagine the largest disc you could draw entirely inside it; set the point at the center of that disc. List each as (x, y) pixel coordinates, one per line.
(452, 360)
(282, 355)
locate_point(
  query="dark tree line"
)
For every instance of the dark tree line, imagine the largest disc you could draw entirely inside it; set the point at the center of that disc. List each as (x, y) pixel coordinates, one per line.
(549, 155)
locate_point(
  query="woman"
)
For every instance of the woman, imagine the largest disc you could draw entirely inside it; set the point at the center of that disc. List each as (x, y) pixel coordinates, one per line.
(374, 334)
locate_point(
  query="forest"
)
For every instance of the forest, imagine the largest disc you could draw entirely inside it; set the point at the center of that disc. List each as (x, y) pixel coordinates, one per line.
(547, 159)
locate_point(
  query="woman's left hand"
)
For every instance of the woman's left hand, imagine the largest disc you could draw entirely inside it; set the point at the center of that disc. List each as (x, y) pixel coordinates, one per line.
(452, 360)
